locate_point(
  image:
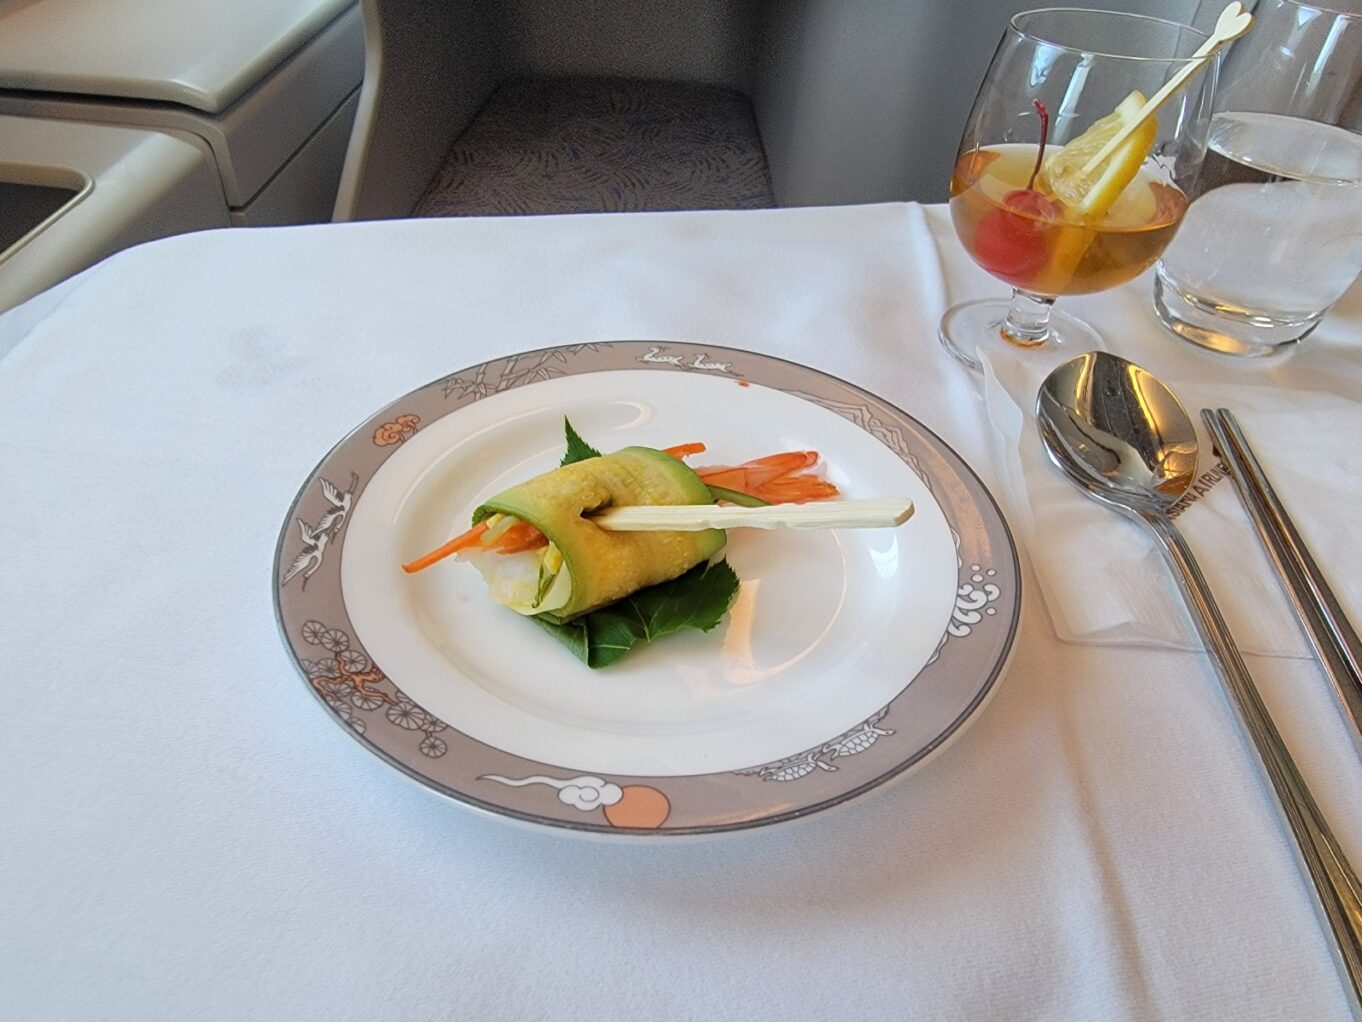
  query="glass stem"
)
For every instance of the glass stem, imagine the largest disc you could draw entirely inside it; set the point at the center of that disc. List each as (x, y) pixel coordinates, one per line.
(1028, 319)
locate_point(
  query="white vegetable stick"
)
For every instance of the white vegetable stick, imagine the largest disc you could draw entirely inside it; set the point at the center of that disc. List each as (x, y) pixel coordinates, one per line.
(830, 514)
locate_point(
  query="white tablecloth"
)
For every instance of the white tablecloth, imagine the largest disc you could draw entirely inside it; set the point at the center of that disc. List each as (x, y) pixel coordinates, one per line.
(185, 835)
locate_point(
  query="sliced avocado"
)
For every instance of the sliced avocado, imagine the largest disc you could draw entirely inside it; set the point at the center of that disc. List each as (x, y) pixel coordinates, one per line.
(607, 566)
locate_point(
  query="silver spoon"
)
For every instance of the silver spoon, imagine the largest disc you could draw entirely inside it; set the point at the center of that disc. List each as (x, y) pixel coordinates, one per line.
(1123, 438)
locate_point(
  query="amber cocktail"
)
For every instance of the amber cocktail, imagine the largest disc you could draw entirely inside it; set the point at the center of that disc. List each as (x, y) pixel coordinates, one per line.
(1035, 242)
(1069, 179)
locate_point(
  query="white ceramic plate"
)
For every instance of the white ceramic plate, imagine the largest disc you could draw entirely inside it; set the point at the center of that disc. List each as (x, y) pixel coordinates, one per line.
(848, 655)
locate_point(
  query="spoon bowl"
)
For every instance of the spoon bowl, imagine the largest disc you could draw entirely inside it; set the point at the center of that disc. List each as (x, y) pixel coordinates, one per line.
(1124, 438)
(1117, 431)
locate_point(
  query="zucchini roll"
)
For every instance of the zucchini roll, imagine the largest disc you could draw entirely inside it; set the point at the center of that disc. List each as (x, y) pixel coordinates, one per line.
(582, 567)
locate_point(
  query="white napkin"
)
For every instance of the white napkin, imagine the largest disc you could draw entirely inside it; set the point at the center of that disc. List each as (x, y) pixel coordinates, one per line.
(1104, 580)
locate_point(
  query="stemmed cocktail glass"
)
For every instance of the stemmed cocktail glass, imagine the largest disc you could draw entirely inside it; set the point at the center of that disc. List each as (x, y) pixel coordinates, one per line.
(1027, 202)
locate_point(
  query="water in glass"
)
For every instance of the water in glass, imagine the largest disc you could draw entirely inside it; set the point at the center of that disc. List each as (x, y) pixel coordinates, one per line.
(1275, 236)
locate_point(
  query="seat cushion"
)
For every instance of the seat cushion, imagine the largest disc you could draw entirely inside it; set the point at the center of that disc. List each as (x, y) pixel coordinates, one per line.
(591, 145)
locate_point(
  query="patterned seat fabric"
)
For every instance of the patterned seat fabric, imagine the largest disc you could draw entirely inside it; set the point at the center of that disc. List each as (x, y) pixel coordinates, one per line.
(590, 145)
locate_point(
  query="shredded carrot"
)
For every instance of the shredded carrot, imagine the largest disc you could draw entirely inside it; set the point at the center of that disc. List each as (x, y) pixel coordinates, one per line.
(776, 478)
(684, 450)
(786, 461)
(750, 475)
(460, 542)
(520, 536)
(796, 490)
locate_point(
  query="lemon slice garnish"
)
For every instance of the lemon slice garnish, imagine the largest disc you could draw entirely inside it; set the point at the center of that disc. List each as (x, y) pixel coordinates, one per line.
(1091, 196)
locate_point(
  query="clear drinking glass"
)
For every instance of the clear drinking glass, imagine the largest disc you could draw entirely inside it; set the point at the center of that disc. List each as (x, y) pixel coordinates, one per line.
(1042, 221)
(1274, 236)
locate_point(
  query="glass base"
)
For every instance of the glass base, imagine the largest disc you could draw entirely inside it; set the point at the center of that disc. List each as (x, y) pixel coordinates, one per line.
(973, 327)
(1230, 331)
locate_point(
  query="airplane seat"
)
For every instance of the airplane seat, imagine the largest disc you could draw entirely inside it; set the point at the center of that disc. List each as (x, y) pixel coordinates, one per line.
(72, 193)
(531, 106)
(127, 120)
(852, 101)
(599, 145)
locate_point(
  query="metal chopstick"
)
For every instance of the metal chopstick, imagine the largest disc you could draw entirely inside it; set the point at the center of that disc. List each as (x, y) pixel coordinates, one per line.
(1331, 634)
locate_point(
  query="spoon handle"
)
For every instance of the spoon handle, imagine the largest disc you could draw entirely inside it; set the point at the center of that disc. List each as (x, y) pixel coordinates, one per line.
(1336, 884)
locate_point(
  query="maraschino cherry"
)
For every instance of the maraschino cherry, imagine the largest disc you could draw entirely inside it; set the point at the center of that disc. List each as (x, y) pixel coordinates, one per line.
(1011, 243)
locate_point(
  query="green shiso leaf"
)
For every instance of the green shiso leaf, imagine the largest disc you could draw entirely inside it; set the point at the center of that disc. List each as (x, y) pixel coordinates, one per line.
(698, 599)
(577, 448)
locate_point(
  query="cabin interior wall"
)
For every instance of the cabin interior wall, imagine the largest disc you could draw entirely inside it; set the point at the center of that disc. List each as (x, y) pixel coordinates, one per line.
(856, 100)
(865, 100)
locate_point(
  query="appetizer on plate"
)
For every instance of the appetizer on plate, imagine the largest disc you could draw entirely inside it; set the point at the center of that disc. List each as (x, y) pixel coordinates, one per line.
(603, 591)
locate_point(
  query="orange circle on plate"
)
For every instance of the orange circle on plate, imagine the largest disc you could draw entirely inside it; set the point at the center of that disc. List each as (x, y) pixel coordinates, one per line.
(639, 807)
